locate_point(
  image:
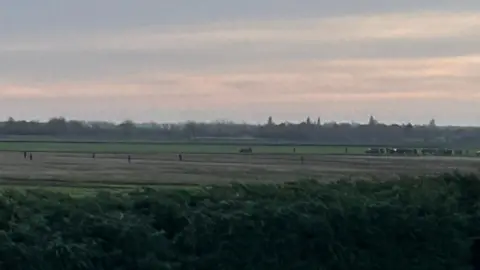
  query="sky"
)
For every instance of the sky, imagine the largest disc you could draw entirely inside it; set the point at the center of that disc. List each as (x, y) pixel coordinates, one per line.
(163, 61)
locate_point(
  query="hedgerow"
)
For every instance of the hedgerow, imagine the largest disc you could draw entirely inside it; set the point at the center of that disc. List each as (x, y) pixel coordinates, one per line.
(415, 223)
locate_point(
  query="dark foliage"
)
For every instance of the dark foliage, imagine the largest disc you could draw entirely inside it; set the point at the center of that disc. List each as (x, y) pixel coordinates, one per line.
(373, 133)
(415, 223)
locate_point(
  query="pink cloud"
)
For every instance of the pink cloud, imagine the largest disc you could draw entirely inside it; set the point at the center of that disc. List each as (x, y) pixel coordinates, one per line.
(348, 81)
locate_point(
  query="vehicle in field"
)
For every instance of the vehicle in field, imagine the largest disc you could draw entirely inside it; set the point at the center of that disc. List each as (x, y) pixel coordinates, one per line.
(375, 151)
(446, 152)
(246, 150)
(429, 151)
(406, 151)
(391, 151)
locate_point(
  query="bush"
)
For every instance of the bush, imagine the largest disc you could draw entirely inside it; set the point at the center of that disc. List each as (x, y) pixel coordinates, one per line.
(415, 223)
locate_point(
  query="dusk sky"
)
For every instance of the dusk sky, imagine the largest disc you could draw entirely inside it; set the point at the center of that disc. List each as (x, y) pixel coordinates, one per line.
(155, 60)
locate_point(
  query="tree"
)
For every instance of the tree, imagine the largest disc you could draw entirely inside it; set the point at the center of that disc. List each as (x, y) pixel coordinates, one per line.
(270, 121)
(308, 121)
(11, 126)
(372, 121)
(57, 125)
(342, 133)
(190, 129)
(409, 128)
(432, 123)
(127, 127)
(319, 122)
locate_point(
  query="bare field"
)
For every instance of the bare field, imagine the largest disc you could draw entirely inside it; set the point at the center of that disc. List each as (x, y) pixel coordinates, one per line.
(113, 170)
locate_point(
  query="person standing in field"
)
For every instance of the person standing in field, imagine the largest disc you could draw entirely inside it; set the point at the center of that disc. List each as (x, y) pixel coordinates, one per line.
(180, 157)
(31, 156)
(129, 159)
(25, 155)
(93, 155)
(302, 159)
(294, 150)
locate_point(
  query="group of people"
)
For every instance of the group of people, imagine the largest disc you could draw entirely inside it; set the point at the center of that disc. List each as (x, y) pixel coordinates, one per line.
(129, 157)
(25, 155)
(30, 156)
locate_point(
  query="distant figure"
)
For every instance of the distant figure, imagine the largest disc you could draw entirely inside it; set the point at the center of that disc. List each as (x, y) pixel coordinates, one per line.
(302, 159)
(346, 150)
(246, 150)
(31, 156)
(93, 155)
(294, 150)
(25, 155)
(180, 157)
(129, 159)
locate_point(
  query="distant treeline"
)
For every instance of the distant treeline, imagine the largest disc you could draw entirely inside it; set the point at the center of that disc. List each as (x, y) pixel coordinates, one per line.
(308, 132)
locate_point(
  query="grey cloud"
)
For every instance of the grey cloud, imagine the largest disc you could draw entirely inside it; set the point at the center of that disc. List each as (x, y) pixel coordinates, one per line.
(32, 17)
(30, 20)
(74, 66)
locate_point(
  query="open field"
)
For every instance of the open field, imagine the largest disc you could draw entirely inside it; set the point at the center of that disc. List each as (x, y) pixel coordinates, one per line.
(150, 148)
(114, 172)
(53, 201)
(180, 147)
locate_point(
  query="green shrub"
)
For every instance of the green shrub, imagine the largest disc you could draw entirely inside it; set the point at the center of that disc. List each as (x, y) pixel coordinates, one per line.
(415, 223)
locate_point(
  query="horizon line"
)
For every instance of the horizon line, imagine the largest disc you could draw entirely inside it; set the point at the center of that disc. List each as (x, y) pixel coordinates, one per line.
(241, 122)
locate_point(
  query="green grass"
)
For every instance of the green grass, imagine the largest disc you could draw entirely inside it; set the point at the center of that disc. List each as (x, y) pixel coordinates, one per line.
(159, 148)
(85, 191)
(169, 148)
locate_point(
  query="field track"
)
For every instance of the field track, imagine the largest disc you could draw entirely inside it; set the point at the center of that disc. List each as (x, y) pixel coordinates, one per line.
(80, 169)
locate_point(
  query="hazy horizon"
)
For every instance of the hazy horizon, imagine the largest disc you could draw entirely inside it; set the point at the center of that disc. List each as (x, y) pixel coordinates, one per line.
(151, 60)
(276, 121)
